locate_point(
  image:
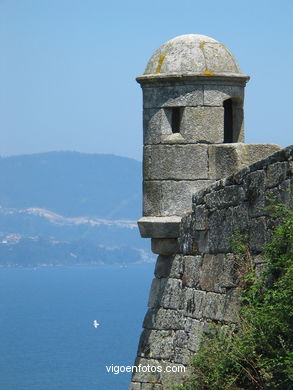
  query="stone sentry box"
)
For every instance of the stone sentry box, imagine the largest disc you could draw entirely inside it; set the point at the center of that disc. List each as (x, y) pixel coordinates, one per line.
(193, 94)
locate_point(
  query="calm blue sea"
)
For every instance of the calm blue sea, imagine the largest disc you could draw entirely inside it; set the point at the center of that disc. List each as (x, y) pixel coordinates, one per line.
(47, 337)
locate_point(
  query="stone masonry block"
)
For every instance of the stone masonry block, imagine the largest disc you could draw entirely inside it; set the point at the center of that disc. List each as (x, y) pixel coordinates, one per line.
(224, 160)
(213, 307)
(192, 241)
(254, 188)
(159, 345)
(144, 373)
(174, 375)
(195, 330)
(227, 159)
(228, 196)
(201, 217)
(280, 194)
(220, 231)
(164, 246)
(276, 173)
(171, 298)
(135, 386)
(179, 162)
(156, 292)
(203, 124)
(151, 386)
(251, 153)
(156, 123)
(182, 354)
(193, 302)
(168, 197)
(214, 95)
(221, 307)
(169, 266)
(258, 234)
(192, 267)
(231, 306)
(240, 218)
(165, 319)
(173, 96)
(217, 273)
(159, 227)
(165, 293)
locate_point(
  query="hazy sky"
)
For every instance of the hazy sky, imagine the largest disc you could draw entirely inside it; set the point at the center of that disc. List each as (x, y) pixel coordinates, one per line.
(68, 68)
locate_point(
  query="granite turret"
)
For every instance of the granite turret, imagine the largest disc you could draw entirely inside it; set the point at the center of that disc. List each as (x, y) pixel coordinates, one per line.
(193, 95)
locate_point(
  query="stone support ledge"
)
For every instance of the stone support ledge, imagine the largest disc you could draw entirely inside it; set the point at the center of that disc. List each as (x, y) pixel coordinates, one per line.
(159, 227)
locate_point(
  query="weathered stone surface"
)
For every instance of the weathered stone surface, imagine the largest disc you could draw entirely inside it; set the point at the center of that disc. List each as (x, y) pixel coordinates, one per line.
(159, 227)
(173, 96)
(195, 330)
(252, 153)
(171, 298)
(224, 160)
(280, 194)
(135, 386)
(240, 218)
(258, 234)
(145, 373)
(156, 292)
(173, 374)
(192, 241)
(214, 95)
(169, 266)
(213, 306)
(254, 188)
(228, 196)
(175, 162)
(164, 246)
(231, 307)
(151, 386)
(182, 355)
(191, 274)
(155, 372)
(163, 319)
(165, 293)
(217, 273)
(220, 231)
(197, 286)
(168, 197)
(191, 53)
(227, 159)
(157, 344)
(203, 124)
(156, 122)
(193, 302)
(276, 173)
(200, 217)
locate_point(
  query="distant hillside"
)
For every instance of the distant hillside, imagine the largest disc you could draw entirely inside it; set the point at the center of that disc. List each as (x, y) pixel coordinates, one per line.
(72, 184)
(66, 208)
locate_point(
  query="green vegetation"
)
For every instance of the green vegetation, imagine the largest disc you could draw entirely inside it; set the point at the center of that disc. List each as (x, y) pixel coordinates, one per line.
(257, 354)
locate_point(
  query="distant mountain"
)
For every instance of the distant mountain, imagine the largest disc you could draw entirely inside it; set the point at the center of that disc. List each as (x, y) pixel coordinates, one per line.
(70, 208)
(72, 184)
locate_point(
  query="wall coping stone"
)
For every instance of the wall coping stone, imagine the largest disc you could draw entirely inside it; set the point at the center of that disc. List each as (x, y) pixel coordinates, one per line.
(237, 178)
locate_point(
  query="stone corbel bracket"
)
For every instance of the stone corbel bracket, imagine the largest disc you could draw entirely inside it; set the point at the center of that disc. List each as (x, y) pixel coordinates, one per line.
(163, 231)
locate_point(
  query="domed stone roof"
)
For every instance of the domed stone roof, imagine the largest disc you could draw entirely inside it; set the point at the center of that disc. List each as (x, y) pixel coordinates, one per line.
(192, 54)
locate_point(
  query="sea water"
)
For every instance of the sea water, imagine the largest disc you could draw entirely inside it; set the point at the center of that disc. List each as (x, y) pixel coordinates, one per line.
(47, 337)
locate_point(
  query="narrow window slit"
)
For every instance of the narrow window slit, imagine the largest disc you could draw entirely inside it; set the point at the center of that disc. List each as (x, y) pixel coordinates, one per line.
(176, 119)
(228, 121)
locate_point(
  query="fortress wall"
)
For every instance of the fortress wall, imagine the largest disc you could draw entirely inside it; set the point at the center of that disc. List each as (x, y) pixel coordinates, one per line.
(197, 286)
